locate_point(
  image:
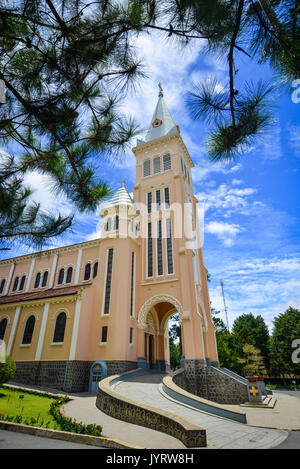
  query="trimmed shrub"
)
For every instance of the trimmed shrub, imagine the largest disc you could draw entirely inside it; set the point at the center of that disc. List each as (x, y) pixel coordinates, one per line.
(7, 370)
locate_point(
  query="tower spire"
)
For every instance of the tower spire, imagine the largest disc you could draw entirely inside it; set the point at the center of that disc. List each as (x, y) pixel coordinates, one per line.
(161, 93)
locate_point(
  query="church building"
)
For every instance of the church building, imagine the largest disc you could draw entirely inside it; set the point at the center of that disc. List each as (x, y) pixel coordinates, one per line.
(73, 315)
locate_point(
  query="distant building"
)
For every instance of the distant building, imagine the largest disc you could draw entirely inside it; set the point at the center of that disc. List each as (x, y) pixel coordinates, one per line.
(71, 316)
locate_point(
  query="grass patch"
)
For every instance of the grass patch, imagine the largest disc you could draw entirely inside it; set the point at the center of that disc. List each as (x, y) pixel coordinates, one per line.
(30, 409)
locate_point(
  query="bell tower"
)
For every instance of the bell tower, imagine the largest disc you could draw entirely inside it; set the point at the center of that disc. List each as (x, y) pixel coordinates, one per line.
(172, 275)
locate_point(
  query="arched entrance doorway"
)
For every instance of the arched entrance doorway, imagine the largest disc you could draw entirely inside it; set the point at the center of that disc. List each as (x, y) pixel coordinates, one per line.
(98, 371)
(153, 324)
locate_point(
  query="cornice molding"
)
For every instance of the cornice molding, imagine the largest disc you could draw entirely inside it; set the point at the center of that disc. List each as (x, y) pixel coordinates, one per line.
(167, 138)
(50, 252)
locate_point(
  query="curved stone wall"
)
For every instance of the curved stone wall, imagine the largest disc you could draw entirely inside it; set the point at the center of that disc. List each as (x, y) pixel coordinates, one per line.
(177, 393)
(123, 408)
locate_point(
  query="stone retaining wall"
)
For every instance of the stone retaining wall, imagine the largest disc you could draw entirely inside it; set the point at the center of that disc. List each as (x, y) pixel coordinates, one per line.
(176, 392)
(123, 408)
(67, 376)
(211, 383)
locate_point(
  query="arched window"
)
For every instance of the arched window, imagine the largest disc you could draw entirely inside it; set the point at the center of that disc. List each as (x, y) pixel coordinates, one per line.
(60, 326)
(87, 272)
(45, 278)
(37, 280)
(22, 283)
(69, 275)
(28, 331)
(108, 225)
(16, 283)
(2, 285)
(61, 276)
(146, 168)
(3, 325)
(117, 222)
(95, 271)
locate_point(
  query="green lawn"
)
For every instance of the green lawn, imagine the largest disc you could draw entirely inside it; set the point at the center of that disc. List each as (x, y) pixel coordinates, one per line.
(31, 406)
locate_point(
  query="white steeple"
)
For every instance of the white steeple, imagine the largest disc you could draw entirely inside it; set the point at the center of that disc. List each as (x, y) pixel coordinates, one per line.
(162, 123)
(121, 197)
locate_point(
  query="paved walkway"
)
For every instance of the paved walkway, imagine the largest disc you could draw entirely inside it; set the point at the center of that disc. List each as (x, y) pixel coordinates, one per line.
(221, 433)
(285, 414)
(84, 410)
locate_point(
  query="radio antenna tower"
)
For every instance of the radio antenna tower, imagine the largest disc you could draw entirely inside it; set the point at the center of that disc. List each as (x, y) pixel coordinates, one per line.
(225, 307)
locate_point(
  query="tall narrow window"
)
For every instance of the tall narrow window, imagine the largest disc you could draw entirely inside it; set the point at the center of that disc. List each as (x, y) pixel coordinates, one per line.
(108, 281)
(167, 197)
(131, 336)
(117, 222)
(150, 251)
(156, 165)
(95, 270)
(149, 202)
(87, 272)
(146, 168)
(28, 331)
(45, 278)
(132, 284)
(22, 283)
(37, 280)
(108, 224)
(3, 324)
(159, 249)
(167, 162)
(16, 283)
(69, 275)
(104, 331)
(157, 199)
(181, 163)
(61, 276)
(60, 326)
(2, 285)
(169, 247)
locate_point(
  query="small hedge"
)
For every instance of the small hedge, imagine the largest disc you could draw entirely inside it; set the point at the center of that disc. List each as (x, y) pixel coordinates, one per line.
(67, 424)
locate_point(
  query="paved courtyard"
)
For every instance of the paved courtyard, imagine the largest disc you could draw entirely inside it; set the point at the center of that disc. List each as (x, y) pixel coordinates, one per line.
(221, 433)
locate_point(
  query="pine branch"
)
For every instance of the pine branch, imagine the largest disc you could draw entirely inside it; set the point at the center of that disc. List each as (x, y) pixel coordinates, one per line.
(231, 59)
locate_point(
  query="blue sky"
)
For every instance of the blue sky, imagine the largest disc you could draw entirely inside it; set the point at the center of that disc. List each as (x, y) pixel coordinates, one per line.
(252, 206)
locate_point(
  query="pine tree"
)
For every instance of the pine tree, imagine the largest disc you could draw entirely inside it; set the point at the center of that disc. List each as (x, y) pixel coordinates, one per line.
(253, 361)
(286, 330)
(262, 31)
(65, 66)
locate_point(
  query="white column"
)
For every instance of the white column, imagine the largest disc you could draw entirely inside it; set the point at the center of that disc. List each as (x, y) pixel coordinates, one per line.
(75, 330)
(13, 330)
(42, 333)
(30, 274)
(77, 272)
(53, 268)
(12, 267)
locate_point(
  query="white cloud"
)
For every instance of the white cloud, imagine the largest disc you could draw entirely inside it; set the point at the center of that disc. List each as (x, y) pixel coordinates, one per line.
(229, 200)
(226, 232)
(237, 182)
(294, 138)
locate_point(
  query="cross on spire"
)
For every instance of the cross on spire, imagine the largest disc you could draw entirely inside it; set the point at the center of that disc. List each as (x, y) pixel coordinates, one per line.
(160, 94)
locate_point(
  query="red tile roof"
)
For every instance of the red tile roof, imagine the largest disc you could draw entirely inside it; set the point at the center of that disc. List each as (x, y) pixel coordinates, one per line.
(42, 294)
